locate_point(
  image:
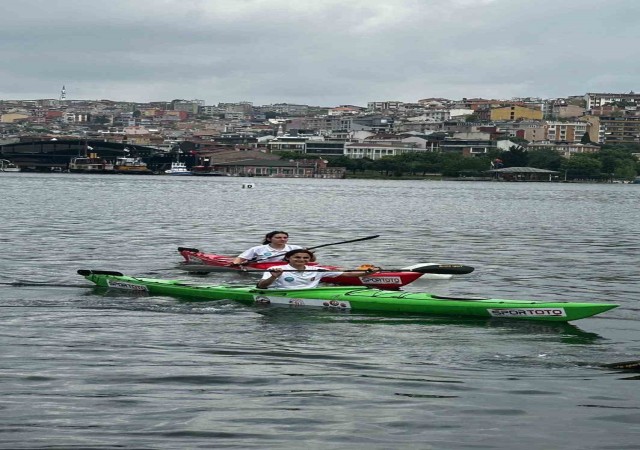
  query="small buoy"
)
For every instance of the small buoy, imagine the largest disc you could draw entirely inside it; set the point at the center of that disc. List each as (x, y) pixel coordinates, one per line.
(247, 186)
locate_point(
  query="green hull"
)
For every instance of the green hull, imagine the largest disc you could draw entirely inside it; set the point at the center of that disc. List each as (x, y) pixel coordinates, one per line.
(357, 299)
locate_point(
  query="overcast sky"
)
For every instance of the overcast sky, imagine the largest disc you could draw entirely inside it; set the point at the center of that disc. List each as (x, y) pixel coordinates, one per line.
(317, 52)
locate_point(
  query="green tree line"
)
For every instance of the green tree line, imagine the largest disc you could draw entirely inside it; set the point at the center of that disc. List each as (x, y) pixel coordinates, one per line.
(612, 161)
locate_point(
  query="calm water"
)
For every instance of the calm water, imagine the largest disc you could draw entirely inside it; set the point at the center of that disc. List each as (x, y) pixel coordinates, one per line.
(86, 369)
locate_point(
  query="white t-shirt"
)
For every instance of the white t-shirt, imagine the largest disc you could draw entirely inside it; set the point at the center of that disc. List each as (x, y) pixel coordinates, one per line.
(265, 253)
(309, 278)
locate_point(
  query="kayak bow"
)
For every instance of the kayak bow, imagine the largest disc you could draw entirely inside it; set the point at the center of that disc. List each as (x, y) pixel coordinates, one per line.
(355, 298)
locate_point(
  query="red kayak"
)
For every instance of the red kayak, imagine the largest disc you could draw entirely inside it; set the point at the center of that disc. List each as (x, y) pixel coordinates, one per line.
(386, 279)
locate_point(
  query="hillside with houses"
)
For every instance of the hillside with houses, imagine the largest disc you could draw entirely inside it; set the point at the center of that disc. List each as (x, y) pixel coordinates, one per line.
(594, 136)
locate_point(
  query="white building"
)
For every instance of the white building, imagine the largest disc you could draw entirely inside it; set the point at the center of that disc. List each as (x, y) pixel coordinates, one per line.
(376, 151)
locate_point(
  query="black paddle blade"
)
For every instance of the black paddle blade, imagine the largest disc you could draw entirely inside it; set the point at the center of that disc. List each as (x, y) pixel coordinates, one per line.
(188, 249)
(85, 272)
(445, 269)
(630, 366)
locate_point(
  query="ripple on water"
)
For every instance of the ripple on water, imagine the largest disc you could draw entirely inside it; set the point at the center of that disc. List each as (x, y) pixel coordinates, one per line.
(87, 369)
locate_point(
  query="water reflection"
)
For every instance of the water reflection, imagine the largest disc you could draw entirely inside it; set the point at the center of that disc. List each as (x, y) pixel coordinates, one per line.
(569, 333)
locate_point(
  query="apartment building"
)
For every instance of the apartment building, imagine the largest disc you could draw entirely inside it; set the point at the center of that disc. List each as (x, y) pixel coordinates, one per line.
(619, 130)
(75, 117)
(286, 108)
(384, 106)
(565, 149)
(467, 144)
(344, 110)
(515, 113)
(324, 148)
(532, 131)
(565, 111)
(376, 150)
(593, 128)
(189, 106)
(566, 131)
(596, 100)
(318, 123)
(13, 117)
(287, 144)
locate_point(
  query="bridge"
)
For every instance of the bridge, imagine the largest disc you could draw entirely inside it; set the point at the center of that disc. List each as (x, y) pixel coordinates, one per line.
(44, 155)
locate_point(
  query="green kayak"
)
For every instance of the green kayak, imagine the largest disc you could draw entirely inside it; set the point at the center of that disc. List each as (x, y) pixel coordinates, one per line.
(357, 299)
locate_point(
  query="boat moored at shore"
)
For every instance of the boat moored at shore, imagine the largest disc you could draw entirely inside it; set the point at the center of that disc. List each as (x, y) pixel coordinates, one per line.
(8, 166)
(133, 166)
(84, 164)
(178, 168)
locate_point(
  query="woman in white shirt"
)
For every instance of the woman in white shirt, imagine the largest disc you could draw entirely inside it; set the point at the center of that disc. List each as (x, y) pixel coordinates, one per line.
(296, 274)
(273, 248)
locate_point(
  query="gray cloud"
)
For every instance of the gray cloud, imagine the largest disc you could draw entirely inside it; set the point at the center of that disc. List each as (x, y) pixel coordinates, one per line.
(316, 52)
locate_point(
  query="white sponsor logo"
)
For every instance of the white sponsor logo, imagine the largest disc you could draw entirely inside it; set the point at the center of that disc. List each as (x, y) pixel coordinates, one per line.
(528, 312)
(336, 304)
(381, 280)
(297, 302)
(129, 286)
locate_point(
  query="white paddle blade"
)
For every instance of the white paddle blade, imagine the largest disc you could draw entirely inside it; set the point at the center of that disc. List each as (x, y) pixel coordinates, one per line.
(428, 276)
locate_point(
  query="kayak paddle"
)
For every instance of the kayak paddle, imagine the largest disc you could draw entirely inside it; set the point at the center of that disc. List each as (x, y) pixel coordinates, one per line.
(345, 242)
(313, 248)
(452, 269)
(631, 366)
(195, 250)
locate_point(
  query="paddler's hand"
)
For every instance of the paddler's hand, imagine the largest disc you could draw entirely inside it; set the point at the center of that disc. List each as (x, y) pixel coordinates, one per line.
(365, 272)
(239, 266)
(276, 272)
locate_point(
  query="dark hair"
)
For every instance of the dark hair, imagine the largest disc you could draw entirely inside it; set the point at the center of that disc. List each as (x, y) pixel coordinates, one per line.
(290, 253)
(268, 236)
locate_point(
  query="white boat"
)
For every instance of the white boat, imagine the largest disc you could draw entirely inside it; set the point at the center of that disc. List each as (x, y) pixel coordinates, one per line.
(8, 166)
(178, 168)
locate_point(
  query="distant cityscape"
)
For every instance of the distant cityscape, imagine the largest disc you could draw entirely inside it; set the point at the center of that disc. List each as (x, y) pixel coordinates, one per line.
(208, 135)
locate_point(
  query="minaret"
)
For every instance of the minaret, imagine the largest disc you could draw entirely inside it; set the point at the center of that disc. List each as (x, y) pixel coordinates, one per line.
(63, 94)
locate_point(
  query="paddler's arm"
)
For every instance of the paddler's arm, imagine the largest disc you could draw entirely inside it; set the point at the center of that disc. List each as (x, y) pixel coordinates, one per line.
(237, 261)
(358, 273)
(244, 257)
(350, 273)
(274, 274)
(363, 273)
